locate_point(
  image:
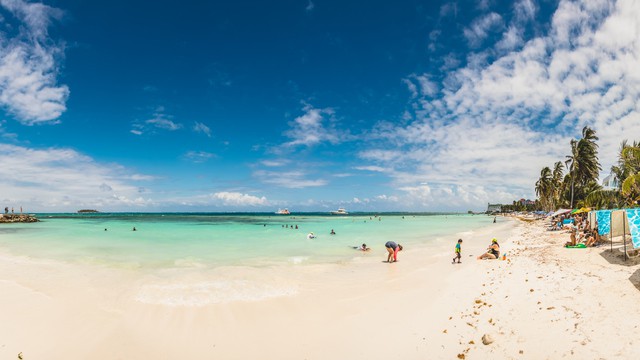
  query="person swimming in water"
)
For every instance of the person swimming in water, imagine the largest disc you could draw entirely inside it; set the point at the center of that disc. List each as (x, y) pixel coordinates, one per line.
(332, 232)
(362, 247)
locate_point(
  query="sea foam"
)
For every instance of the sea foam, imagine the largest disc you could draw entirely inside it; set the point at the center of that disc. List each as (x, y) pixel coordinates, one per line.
(211, 292)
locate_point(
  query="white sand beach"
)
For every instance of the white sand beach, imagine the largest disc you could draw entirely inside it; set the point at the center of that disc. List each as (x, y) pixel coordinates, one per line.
(543, 302)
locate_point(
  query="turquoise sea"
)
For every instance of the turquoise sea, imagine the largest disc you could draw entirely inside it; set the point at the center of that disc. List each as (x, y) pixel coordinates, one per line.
(165, 240)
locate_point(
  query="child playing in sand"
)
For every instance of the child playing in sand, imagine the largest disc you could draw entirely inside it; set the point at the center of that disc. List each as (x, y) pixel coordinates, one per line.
(458, 252)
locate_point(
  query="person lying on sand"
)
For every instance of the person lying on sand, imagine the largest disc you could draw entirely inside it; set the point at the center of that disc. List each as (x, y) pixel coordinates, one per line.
(493, 251)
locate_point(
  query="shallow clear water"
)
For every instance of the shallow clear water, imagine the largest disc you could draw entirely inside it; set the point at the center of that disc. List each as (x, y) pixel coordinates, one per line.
(213, 240)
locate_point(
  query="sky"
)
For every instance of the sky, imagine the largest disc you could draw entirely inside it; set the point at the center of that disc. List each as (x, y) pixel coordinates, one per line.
(308, 105)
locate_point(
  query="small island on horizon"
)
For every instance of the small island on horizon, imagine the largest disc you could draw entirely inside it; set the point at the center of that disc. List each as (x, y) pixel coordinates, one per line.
(84, 211)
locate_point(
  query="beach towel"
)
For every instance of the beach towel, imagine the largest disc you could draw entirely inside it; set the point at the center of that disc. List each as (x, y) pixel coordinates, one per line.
(604, 221)
(633, 215)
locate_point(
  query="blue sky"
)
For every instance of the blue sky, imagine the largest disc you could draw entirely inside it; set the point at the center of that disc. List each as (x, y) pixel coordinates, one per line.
(309, 105)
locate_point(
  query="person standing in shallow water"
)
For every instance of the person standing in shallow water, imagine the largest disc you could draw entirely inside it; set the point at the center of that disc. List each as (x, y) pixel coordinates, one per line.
(392, 249)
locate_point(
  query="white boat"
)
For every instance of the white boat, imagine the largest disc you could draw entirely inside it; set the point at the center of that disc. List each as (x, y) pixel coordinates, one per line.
(340, 211)
(283, 212)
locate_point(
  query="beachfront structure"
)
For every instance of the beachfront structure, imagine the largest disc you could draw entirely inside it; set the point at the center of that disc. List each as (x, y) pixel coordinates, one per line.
(610, 182)
(493, 208)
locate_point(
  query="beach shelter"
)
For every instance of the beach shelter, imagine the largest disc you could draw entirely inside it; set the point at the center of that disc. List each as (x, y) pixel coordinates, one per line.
(619, 226)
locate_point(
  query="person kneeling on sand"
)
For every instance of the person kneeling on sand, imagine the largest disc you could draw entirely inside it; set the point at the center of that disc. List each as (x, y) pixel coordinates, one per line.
(393, 249)
(493, 251)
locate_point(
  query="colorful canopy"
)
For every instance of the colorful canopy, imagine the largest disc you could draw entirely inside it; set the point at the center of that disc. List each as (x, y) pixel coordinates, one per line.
(581, 210)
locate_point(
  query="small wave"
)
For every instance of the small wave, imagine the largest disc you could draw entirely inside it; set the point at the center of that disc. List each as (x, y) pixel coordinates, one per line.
(298, 259)
(189, 262)
(206, 293)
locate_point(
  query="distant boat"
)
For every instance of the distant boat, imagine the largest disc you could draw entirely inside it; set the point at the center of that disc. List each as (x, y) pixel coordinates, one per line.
(283, 212)
(340, 211)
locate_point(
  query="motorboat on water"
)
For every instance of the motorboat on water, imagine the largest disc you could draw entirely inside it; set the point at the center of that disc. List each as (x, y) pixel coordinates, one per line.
(340, 211)
(283, 212)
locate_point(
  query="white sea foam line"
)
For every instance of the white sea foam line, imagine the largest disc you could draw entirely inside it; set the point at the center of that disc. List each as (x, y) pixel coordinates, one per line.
(206, 293)
(298, 259)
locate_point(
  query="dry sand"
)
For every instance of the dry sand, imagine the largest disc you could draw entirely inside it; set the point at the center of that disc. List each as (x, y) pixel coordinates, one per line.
(544, 302)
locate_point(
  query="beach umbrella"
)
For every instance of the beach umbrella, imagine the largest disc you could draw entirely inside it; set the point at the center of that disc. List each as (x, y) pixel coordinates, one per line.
(581, 210)
(560, 211)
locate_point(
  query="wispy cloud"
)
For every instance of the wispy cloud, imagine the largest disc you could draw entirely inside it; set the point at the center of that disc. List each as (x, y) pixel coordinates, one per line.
(29, 64)
(310, 6)
(478, 31)
(288, 179)
(275, 163)
(202, 128)
(159, 120)
(198, 156)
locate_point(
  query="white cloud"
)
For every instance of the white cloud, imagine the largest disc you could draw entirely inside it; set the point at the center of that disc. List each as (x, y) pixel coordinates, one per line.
(498, 120)
(202, 128)
(239, 199)
(312, 128)
(59, 179)
(29, 65)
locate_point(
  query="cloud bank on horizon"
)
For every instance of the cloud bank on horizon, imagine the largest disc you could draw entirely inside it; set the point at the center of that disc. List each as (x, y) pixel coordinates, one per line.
(474, 125)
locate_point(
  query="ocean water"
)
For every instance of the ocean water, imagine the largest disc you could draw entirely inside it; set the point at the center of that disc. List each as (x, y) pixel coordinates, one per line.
(213, 240)
(203, 259)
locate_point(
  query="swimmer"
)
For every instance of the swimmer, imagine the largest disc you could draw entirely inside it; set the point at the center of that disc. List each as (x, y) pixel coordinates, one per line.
(364, 247)
(332, 232)
(134, 229)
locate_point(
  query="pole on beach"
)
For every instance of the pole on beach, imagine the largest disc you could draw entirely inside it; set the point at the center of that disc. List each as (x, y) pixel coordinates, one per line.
(611, 230)
(624, 235)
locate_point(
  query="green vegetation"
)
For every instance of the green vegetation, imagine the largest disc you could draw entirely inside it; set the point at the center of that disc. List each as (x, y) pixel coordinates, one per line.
(579, 186)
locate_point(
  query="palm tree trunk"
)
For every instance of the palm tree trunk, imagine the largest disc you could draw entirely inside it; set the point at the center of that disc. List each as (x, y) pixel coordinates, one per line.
(571, 193)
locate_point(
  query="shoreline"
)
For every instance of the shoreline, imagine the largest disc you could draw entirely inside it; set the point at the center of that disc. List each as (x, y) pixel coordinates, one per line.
(343, 310)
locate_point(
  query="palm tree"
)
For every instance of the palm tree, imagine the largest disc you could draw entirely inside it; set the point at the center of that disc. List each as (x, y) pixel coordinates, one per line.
(544, 187)
(630, 187)
(582, 164)
(556, 180)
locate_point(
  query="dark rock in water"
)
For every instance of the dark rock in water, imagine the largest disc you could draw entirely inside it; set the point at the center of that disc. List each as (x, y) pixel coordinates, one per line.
(17, 218)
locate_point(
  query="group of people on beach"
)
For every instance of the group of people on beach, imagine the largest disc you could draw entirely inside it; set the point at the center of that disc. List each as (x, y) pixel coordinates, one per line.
(581, 232)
